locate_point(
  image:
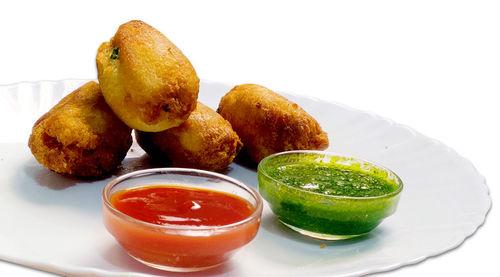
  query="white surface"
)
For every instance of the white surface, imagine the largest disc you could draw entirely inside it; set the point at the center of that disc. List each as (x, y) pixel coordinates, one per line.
(444, 200)
(432, 65)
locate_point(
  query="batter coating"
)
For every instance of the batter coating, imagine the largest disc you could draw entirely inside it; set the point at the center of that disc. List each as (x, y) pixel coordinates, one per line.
(268, 123)
(205, 141)
(146, 79)
(80, 136)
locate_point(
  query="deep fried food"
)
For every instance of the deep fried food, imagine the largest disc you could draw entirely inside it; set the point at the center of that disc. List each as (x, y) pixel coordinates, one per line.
(268, 122)
(80, 136)
(205, 141)
(146, 79)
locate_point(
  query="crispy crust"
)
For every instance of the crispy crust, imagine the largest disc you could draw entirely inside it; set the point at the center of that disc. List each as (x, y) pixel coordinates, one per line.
(268, 123)
(205, 141)
(80, 136)
(148, 83)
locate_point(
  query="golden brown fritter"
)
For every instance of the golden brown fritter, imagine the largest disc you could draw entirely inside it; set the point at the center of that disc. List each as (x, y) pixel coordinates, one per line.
(146, 79)
(80, 136)
(205, 141)
(268, 123)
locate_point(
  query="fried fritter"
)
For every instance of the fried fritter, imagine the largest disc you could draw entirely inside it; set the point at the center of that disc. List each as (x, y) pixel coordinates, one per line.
(146, 79)
(205, 141)
(268, 123)
(80, 136)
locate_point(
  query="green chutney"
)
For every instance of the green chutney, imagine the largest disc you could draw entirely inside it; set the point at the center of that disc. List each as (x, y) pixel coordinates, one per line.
(331, 197)
(331, 179)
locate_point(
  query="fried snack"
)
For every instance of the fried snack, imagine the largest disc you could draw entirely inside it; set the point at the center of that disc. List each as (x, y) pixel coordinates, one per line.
(205, 141)
(80, 136)
(268, 123)
(146, 79)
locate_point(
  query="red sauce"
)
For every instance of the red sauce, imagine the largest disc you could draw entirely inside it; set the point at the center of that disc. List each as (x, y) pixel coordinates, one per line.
(166, 205)
(181, 206)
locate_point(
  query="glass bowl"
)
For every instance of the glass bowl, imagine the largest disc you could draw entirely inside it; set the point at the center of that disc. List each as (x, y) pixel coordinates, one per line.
(320, 206)
(173, 247)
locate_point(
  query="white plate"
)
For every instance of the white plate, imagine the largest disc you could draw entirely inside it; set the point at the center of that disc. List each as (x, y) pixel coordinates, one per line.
(54, 223)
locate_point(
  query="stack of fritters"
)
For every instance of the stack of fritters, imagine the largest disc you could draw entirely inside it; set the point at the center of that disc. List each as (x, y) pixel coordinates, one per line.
(147, 84)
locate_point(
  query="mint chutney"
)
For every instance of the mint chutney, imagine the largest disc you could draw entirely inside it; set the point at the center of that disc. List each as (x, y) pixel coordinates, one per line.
(331, 179)
(328, 196)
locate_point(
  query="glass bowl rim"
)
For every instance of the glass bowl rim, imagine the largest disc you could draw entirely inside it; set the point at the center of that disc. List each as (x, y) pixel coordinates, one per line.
(260, 168)
(106, 196)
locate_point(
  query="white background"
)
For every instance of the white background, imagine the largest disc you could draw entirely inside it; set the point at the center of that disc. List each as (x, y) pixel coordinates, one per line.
(432, 65)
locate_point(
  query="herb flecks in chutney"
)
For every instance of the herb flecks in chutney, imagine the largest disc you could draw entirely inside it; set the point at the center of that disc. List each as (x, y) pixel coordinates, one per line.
(330, 179)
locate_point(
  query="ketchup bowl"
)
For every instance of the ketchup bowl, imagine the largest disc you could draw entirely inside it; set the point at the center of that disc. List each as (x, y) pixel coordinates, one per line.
(180, 219)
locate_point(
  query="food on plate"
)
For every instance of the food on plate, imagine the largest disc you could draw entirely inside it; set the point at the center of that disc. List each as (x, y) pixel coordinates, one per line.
(154, 204)
(180, 219)
(205, 141)
(80, 135)
(328, 196)
(268, 123)
(146, 79)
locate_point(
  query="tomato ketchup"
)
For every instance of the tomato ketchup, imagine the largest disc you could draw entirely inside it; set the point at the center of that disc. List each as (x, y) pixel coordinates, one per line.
(181, 206)
(180, 227)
